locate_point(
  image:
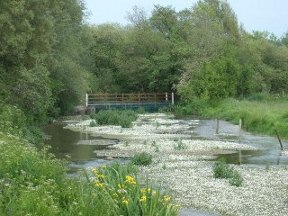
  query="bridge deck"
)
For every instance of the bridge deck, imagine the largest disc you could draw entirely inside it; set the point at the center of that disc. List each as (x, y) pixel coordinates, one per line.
(148, 101)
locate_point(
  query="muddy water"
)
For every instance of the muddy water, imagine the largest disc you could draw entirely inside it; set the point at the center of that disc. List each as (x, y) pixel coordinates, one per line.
(78, 148)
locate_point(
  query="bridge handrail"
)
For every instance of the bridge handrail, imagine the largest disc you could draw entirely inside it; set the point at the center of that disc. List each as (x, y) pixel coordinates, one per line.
(95, 98)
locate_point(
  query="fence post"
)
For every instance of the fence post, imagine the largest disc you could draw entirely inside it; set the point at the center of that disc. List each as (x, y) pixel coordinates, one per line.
(172, 99)
(217, 126)
(86, 100)
(240, 126)
(279, 139)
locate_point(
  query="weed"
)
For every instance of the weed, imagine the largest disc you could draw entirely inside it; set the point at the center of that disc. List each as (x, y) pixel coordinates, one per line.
(153, 143)
(142, 159)
(236, 179)
(157, 149)
(164, 166)
(93, 124)
(126, 143)
(223, 170)
(180, 145)
(124, 118)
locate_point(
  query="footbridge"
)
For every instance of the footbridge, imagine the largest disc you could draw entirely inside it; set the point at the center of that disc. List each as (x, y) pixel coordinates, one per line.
(147, 101)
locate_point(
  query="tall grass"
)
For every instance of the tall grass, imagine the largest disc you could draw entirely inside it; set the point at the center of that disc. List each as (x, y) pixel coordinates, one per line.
(258, 116)
(130, 198)
(260, 113)
(124, 118)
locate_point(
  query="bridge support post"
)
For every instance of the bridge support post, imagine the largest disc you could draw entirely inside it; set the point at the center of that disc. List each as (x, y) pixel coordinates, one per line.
(172, 99)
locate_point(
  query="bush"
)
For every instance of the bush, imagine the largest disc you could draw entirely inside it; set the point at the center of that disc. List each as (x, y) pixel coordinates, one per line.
(180, 145)
(124, 118)
(223, 170)
(93, 124)
(142, 159)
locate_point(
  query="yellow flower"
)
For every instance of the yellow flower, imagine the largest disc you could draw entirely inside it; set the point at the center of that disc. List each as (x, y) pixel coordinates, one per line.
(99, 184)
(125, 201)
(100, 176)
(143, 198)
(130, 180)
(95, 171)
(145, 190)
(167, 198)
(114, 195)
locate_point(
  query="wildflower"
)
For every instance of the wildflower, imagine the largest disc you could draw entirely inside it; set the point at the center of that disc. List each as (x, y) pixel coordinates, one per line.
(95, 171)
(167, 198)
(143, 198)
(130, 180)
(145, 190)
(114, 195)
(100, 176)
(125, 201)
(99, 184)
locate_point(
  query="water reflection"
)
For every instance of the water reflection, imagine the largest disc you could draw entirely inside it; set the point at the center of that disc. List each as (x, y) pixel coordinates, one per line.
(79, 148)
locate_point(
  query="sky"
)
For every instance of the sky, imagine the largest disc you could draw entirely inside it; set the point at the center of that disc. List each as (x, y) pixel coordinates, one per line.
(260, 15)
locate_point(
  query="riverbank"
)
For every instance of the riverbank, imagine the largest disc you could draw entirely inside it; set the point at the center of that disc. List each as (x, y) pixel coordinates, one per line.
(258, 116)
(184, 165)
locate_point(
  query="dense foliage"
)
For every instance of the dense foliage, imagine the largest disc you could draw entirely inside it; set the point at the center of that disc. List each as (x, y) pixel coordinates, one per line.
(200, 52)
(42, 56)
(49, 57)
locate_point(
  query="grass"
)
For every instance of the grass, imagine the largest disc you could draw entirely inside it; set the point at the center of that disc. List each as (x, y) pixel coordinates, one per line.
(223, 170)
(261, 115)
(124, 118)
(142, 159)
(257, 116)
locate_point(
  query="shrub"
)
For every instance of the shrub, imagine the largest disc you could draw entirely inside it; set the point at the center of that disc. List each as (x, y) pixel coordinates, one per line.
(223, 170)
(93, 124)
(124, 118)
(180, 146)
(142, 159)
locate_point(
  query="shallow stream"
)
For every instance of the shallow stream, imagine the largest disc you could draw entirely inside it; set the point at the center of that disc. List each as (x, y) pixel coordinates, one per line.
(81, 148)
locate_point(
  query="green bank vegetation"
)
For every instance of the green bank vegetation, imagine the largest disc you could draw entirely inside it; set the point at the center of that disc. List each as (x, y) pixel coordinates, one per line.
(33, 182)
(260, 114)
(257, 116)
(124, 118)
(201, 52)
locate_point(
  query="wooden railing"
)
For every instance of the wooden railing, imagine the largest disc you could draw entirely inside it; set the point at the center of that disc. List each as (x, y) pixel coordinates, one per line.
(139, 98)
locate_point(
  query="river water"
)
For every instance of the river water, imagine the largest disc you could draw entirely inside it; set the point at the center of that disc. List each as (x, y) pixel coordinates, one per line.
(80, 149)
